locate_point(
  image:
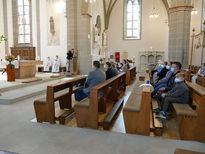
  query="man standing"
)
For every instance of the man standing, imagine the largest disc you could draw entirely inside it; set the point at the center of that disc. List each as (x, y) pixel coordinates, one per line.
(94, 78)
(69, 58)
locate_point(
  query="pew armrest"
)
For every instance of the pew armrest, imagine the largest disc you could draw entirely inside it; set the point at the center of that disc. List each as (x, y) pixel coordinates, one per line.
(83, 104)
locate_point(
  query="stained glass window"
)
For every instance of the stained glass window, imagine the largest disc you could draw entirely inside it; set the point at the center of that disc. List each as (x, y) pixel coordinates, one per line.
(24, 27)
(132, 23)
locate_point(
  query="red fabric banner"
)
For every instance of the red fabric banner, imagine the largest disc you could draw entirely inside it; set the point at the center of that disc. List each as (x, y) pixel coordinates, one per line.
(117, 57)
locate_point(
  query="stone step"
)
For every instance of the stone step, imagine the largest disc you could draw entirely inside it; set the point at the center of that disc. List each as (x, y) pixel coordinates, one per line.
(13, 96)
(21, 85)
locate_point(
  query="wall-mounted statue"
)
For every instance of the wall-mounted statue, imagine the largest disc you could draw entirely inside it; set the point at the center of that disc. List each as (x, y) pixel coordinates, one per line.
(52, 25)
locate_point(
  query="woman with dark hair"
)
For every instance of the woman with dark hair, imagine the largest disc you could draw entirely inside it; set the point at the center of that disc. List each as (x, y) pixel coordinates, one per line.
(124, 67)
(110, 71)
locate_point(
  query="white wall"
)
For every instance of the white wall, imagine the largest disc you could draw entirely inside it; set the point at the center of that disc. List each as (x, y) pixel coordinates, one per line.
(154, 31)
(2, 45)
(52, 51)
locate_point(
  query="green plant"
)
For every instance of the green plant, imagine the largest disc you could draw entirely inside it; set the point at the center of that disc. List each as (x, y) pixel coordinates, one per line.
(2, 38)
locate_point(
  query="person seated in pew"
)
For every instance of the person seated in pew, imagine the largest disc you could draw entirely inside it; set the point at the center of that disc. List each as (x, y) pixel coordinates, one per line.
(200, 71)
(94, 78)
(110, 71)
(176, 66)
(155, 75)
(56, 65)
(156, 68)
(163, 82)
(124, 66)
(178, 94)
(163, 72)
(128, 64)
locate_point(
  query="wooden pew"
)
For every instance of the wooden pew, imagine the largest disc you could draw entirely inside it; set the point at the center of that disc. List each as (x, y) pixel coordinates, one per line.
(191, 122)
(136, 111)
(183, 151)
(131, 75)
(62, 92)
(200, 80)
(87, 110)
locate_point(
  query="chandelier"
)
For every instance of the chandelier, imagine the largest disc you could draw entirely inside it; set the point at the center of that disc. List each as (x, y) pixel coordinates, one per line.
(90, 1)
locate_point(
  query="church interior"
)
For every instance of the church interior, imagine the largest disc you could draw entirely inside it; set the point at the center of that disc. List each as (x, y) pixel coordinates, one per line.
(102, 76)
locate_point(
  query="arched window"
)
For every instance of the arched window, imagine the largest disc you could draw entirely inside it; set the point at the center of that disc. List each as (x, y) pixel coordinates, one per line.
(132, 19)
(24, 28)
(22, 22)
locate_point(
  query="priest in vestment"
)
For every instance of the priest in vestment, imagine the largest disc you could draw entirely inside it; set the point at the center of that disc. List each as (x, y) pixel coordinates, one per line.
(47, 65)
(56, 65)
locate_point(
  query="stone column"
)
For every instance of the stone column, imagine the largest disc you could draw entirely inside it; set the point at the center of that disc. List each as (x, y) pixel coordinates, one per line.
(179, 31)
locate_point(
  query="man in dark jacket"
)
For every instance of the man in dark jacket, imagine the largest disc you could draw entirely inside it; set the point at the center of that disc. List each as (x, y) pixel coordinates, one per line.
(163, 72)
(110, 71)
(178, 94)
(176, 67)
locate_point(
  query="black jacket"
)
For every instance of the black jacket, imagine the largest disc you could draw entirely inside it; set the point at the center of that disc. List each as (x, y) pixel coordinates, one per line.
(69, 55)
(162, 73)
(111, 72)
(171, 83)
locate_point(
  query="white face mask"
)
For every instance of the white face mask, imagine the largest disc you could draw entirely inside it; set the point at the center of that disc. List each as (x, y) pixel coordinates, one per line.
(168, 67)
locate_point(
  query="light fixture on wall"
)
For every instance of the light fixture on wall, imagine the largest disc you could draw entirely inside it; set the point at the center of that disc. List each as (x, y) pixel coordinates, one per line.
(194, 11)
(154, 13)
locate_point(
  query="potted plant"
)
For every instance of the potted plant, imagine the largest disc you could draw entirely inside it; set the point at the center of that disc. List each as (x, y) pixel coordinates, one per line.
(2, 38)
(10, 68)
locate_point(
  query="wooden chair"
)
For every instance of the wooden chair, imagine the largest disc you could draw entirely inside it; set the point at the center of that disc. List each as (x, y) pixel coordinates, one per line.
(131, 75)
(191, 122)
(87, 110)
(62, 92)
(136, 111)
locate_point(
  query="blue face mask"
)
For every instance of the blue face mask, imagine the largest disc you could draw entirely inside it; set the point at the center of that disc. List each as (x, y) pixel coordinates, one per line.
(105, 67)
(172, 69)
(177, 80)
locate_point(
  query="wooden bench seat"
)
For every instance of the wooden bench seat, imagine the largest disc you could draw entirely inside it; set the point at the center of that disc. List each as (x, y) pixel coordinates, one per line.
(133, 103)
(136, 112)
(184, 110)
(183, 151)
(62, 92)
(191, 123)
(87, 111)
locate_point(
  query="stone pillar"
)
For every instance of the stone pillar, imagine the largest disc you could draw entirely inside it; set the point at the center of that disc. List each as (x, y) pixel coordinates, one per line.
(77, 34)
(179, 31)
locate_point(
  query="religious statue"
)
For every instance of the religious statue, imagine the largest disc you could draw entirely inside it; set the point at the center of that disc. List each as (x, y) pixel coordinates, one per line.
(96, 32)
(52, 26)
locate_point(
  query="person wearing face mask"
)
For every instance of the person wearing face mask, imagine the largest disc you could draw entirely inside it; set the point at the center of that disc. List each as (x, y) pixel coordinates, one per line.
(156, 67)
(56, 65)
(178, 94)
(163, 72)
(176, 68)
(94, 78)
(110, 71)
(163, 82)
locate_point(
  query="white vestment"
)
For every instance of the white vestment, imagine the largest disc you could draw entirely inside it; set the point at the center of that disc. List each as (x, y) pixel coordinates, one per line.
(47, 65)
(56, 66)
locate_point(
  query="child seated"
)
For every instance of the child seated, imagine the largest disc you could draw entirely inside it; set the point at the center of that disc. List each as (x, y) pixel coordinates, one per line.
(178, 94)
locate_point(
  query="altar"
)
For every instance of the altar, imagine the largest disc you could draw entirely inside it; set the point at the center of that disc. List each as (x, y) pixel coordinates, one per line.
(26, 69)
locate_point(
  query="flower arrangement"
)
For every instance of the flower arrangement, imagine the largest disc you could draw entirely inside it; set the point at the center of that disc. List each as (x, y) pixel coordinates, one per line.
(10, 59)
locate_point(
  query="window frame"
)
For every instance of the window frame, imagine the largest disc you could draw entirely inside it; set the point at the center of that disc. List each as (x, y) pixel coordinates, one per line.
(125, 37)
(16, 24)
